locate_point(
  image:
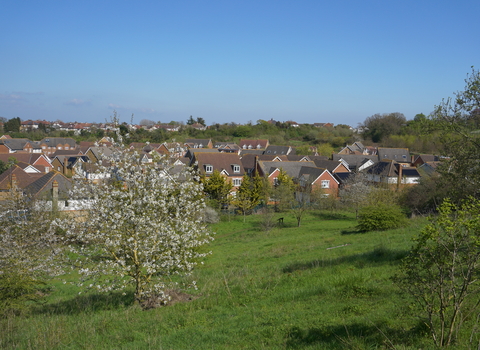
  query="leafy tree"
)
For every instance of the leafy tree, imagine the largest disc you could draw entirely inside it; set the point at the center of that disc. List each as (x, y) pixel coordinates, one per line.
(144, 224)
(245, 197)
(217, 188)
(441, 272)
(201, 121)
(379, 126)
(283, 192)
(191, 121)
(12, 125)
(457, 121)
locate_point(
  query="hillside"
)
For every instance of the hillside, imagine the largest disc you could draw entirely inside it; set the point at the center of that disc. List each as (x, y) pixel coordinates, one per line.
(320, 286)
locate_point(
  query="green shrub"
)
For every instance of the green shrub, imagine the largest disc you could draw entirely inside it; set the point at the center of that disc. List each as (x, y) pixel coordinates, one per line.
(381, 217)
(16, 290)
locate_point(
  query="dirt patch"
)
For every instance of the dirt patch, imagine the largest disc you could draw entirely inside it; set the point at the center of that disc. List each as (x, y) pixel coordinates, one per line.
(176, 296)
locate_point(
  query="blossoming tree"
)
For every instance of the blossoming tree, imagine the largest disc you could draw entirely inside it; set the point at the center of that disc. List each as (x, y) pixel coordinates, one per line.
(144, 223)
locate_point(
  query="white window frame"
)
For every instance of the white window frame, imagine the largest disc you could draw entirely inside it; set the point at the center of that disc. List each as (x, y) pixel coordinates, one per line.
(237, 182)
(236, 168)
(209, 169)
(325, 183)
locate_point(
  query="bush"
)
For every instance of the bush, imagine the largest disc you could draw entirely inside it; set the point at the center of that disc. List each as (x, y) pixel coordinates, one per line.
(380, 217)
(16, 290)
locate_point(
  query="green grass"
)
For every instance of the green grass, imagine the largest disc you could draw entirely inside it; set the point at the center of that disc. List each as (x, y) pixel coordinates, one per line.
(318, 286)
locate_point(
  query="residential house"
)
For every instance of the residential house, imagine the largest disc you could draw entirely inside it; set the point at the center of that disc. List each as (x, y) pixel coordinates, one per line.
(17, 145)
(355, 162)
(38, 161)
(332, 166)
(279, 150)
(45, 187)
(228, 164)
(400, 155)
(69, 165)
(319, 179)
(199, 143)
(16, 177)
(424, 158)
(172, 149)
(51, 144)
(253, 144)
(227, 147)
(392, 172)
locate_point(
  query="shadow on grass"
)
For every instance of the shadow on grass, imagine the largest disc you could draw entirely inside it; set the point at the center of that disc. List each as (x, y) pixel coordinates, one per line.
(325, 215)
(351, 231)
(354, 336)
(88, 302)
(380, 255)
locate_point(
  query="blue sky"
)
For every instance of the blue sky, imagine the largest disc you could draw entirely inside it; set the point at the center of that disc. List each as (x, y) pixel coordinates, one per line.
(233, 61)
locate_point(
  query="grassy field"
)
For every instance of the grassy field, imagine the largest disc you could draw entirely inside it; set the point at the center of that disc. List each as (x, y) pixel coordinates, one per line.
(318, 286)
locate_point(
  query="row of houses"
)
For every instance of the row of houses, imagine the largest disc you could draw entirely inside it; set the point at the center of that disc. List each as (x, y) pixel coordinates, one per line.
(231, 160)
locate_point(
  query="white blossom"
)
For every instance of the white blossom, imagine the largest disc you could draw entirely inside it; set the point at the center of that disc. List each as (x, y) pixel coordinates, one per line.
(142, 226)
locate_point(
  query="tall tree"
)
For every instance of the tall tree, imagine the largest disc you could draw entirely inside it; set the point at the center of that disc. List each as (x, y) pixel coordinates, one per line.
(457, 120)
(12, 125)
(191, 121)
(379, 126)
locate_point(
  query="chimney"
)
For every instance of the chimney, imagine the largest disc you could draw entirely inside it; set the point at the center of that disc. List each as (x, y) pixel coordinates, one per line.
(14, 182)
(65, 163)
(54, 195)
(400, 175)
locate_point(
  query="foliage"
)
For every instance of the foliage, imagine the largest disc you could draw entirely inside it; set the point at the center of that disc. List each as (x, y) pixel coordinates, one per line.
(457, 120)
(380, 217)
(29, 249)
(283, 191)
(441, 272)
(426, 196)
(217, 188)
(247, 197)
(144, 224)
(379, 126)
(12, 125)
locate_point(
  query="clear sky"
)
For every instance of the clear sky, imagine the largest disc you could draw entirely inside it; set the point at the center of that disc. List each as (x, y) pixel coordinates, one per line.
(233, 61)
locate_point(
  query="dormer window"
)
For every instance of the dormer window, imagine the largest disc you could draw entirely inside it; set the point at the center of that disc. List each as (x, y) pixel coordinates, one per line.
(209, 169)
(236, 168)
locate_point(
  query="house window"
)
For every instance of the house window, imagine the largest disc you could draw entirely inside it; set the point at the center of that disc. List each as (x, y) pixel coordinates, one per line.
(325, 183)
(236, 168)
(237, 182)
(209, 168)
